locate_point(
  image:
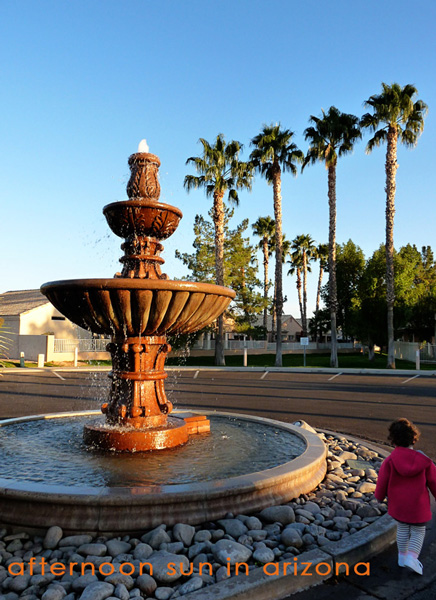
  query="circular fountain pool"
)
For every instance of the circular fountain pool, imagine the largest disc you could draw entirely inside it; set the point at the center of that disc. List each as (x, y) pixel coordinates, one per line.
(245, 464)
(233, 447)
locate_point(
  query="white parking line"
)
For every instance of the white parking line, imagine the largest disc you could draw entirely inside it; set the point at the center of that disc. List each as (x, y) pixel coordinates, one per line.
(57, 375)
(265, 374)
(410, 378)
(337, 375)
(196, 374)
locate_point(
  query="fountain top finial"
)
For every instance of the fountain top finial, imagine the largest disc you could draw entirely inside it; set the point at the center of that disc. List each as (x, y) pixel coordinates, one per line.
(143, 146)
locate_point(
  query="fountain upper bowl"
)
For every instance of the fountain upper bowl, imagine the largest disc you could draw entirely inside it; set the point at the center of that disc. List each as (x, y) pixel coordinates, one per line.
(132, 307)
(142, 217)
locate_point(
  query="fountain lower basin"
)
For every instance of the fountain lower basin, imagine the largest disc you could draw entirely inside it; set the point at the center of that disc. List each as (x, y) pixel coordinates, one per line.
(134, 505)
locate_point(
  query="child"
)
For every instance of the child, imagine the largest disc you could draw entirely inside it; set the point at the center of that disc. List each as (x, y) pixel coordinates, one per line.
(403, 478)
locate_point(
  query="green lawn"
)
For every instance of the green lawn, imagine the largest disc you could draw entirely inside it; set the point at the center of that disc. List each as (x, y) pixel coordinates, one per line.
(353, 361)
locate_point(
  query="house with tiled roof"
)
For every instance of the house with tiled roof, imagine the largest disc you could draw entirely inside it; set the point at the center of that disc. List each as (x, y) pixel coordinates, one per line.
(29, 319)
(291, 328)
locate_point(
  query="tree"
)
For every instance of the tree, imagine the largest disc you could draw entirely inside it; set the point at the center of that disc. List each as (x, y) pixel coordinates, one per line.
(369, 310)
(416, 290)
(275, 152)
(350, 265)
(321, 254)
(410, 283)
(331, 137)
(265, 229)
(303, 247)
(396, 117)
(296, 262)
(286, 249)
(242, 274)
(239, 269)
(219, 172)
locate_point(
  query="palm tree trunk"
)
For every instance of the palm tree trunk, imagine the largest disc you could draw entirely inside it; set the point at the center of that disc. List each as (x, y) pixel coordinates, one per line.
(318, 299)
(218, 219)
(273, 315)
(278, 274)
(391, 169)
(265, 282)
(300, 301)
(333, 302)
(304, 322)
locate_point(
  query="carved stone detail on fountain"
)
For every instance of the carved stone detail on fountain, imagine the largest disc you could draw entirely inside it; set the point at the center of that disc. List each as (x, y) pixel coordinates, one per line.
(144, 178)
(138, 308)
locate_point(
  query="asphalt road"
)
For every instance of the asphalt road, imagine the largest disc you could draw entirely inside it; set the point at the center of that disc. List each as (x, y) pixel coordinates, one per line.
(361, 405)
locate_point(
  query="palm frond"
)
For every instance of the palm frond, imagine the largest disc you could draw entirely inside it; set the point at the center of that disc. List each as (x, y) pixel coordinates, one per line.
(380, 136)
(219, 169)
(395, 107)
(192, 182)
(274, 149)
(333, 135)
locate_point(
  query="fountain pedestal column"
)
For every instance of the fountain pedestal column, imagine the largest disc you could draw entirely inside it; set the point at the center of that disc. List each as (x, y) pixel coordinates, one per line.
(138, 405)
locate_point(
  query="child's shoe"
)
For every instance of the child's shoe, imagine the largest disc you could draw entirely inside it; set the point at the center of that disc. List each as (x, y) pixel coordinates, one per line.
(413, 564)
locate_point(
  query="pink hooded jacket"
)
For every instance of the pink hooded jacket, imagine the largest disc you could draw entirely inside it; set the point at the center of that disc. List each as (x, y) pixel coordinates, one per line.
(404, 478)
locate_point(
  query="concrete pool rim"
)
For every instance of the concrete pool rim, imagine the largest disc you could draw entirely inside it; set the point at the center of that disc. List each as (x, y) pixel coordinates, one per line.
(35, 506)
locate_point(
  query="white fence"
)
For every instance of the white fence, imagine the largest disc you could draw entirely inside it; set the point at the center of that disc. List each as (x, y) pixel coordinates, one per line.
(99, 345)
(85, 345)
(428, 353)
(408, 350)
(263, 345)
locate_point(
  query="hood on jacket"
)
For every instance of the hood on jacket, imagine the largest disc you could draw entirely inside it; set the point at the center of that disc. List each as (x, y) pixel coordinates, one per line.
(408, 462)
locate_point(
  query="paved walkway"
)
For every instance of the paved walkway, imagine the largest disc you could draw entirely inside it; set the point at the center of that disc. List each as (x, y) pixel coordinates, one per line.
(387, 580)
(358, 404)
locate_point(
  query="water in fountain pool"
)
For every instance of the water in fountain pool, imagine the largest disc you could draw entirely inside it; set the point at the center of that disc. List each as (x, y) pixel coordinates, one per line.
(52, 452)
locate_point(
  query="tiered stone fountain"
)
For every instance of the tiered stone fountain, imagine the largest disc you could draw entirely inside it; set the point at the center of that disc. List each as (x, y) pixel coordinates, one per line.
(138, 308)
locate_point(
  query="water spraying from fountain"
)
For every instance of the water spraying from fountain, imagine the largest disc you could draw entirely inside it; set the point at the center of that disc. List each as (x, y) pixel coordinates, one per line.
(138, 307)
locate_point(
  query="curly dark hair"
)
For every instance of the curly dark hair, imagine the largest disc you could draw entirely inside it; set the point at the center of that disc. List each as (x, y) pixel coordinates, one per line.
(403, 432)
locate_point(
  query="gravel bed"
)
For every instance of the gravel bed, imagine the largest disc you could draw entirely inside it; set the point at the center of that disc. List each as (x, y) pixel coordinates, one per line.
(181, 559)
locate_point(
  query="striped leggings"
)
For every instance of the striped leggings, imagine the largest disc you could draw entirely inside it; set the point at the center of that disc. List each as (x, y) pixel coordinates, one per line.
(410, 537)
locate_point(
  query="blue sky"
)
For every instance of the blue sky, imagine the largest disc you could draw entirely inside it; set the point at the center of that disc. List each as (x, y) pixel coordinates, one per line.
(83, 82)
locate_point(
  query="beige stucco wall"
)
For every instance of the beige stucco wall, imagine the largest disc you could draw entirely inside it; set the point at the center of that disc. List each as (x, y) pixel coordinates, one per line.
(290, 327)
(39, 321)
(23, 331)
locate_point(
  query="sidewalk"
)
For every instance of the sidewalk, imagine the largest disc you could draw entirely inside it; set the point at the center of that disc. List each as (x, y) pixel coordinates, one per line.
(387, 580)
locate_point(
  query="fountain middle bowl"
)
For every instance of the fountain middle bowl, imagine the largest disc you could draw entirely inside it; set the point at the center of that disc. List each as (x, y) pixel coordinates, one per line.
(34, 506)
(132, 307)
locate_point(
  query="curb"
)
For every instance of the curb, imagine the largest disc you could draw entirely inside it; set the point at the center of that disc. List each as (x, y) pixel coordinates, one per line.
(324, 564)
(311, 370)
(261, 586)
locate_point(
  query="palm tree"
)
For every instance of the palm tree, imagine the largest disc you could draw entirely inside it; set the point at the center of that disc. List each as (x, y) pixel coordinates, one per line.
(321, 254)
(219, 172)
(332, 136)
(265, 229)
(304, 245)
(286, 249)
(396, 117)
(303, 248)
(274, 152)
(296, 267)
